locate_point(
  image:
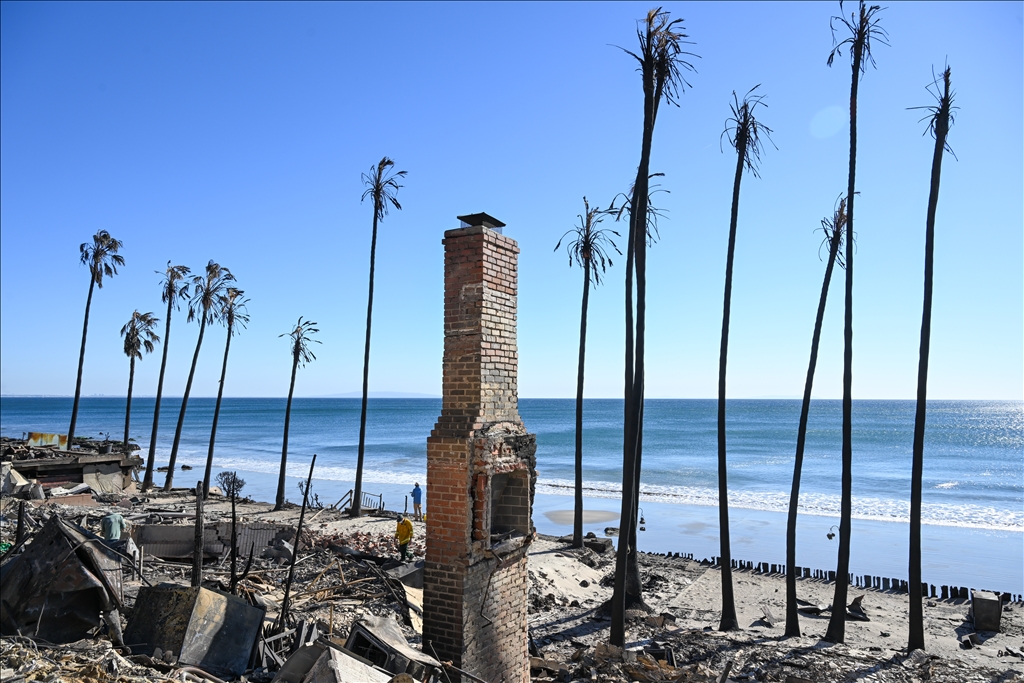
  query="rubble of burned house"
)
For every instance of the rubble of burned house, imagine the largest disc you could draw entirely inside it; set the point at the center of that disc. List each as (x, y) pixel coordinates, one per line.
(41, 468)
(72, 604)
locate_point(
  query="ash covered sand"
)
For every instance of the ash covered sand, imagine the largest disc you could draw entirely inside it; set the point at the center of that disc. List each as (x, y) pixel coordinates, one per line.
(568, 625)
(685, 598)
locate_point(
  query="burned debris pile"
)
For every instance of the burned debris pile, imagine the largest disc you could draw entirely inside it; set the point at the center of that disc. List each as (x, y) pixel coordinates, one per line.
(74, 604)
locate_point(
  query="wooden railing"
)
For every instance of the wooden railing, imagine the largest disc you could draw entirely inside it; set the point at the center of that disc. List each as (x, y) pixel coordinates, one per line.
(371, 501)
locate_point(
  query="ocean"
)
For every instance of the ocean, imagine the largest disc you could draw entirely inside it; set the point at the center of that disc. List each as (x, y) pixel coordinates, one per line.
(973, 471)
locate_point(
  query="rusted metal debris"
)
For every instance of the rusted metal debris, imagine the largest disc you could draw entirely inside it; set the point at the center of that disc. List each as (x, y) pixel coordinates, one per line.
(375, 651)
(199, 627)
(379, 640)
(62, 586)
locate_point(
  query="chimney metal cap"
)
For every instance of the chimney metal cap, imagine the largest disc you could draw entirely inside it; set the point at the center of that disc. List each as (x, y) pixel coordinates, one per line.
(472, 220)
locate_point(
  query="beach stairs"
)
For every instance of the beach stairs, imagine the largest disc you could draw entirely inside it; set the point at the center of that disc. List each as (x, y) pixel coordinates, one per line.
(371, 503)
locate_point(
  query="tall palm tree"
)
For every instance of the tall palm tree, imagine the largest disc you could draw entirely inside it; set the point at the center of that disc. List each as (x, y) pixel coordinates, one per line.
(587, 247)
(138, 336)
(939, 120)
(173, 289)
(744, 133)
(661, 60)
(209, 293)
(381, 186)
(102, 258)
(833, 228)
(231, 313)
(301, 338)
(863, 27)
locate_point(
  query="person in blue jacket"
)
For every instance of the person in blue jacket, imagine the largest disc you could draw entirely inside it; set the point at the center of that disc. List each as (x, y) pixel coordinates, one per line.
(417, 502)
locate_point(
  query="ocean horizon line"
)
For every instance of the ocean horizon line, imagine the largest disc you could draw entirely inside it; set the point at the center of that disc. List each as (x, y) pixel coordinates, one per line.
(419, 396)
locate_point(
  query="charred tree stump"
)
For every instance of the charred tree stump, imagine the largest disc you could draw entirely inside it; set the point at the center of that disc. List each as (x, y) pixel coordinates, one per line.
(197, 552)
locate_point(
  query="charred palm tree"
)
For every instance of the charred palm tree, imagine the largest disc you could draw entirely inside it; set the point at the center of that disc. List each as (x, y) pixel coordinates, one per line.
(232, 313)
(940, 118)
(744, 133)
(232, 485)
(381, 186)
(138, 337)
(661, 60)
(174, 288)
(863, 28)
(833, 228)
(301, 338)
(102, 258)
(587, 247)
(209, 294)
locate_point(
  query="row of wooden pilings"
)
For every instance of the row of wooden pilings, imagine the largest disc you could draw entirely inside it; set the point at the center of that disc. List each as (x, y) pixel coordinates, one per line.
(866, 581)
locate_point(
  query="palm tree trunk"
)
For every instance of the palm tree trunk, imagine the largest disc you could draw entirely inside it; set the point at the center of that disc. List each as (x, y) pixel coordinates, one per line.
(577, 523)
(200, 539)
(283, 616)
(147, 481)
(618, 625)
(128, 407)
(284, 448)
(792, 615)
(357, 493)
(234, 546)
(169, 481)
(81, 363)
(634, 585)
(729, 621)
(916, 631)
(216, 416)
(634, 350)
(836, 631)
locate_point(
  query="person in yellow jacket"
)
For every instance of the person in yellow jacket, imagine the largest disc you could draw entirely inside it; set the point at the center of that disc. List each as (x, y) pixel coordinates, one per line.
(404, 535)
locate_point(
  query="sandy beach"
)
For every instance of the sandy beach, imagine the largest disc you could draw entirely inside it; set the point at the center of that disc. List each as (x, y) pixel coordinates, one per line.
(984, 558)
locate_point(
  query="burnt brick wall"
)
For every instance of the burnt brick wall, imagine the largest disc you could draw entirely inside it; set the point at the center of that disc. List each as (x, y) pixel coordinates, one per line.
(475, 595)
(495, 646)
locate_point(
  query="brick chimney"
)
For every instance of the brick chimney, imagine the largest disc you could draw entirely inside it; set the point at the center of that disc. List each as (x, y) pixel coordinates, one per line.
(481, 466)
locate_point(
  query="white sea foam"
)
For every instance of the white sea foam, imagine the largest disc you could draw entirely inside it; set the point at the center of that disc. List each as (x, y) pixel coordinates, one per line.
(879, 509)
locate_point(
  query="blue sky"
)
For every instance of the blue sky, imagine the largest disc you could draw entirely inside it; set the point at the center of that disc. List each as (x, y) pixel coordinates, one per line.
(238, 132)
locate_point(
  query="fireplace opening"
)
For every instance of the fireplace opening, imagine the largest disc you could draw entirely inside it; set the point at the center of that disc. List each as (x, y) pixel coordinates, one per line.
(510, 506)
